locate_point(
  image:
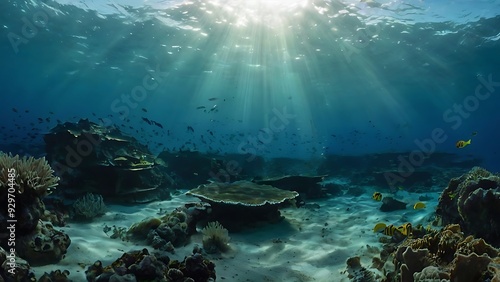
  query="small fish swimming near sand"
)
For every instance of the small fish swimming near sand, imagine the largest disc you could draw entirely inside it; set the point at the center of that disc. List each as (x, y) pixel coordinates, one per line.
(212, 99)
(200, 107)
(460, 144)
(419, 205)
(377, 196)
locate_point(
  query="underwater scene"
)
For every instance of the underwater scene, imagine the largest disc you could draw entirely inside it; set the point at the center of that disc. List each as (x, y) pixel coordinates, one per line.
(250, 140)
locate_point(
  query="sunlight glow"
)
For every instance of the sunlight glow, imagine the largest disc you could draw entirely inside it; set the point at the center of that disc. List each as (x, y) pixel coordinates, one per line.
(263, 11)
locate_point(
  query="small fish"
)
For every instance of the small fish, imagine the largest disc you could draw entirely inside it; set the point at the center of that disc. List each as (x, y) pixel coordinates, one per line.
(379, 226)
(200, 107)
(377, 196)
(401, 188)
(389, 230)
(189, 128)
(144, 110)
(474, 133)
(14, 110)
(405, 229)
(212, 99)
(419, 205)
(452, 195)
(460, 144)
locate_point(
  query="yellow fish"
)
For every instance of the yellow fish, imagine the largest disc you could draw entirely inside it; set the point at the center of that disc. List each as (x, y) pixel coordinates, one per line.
(377, 196)
(419, 205)
(451, 195)
(405, 229)
(460, 144)
(389, 230)
(379, 226)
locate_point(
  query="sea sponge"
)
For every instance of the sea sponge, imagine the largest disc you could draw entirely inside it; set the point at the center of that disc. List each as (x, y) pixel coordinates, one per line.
(30, 174)
(215, 238)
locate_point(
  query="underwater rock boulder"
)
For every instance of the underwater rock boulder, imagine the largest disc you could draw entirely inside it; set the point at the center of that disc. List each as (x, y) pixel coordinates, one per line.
(91, 158)
(473, 201)
(390, 204)
(238, 203)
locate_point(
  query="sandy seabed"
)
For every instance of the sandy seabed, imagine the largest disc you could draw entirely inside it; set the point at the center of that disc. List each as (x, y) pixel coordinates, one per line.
(309, 244)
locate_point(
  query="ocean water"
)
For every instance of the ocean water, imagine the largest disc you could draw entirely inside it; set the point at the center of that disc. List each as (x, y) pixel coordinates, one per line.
(295, 78)
(387, 81)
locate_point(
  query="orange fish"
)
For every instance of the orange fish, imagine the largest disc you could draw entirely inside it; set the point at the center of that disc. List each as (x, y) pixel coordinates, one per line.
(460, 144)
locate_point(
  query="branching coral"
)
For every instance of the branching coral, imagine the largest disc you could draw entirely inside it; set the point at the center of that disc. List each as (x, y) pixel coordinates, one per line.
(30, 173)
(215, 238)
(89, 206)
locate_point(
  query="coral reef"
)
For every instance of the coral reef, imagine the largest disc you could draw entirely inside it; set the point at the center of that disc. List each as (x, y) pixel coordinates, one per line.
(358, 273)
(215, 238)
(13, 268)
(143, 266)
(44, 245)
(473, 201)
(31, 174)
(88, 207)
(171, 230)
(37, 242)
(447, 254)
(237, 204)
(97, 159)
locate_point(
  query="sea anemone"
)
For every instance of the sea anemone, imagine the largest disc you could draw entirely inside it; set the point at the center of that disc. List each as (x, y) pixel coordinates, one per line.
(215, 238)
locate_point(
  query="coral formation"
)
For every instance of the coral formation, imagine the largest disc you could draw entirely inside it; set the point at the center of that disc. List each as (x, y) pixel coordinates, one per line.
(30, 173)
(89, 207)
(237, 204)
(447, 254)
(215, 238)
(358, 273)
(171, 230)
(44, 245)
(473, 201)
(36, 242)
(143, 266)
(97, 159)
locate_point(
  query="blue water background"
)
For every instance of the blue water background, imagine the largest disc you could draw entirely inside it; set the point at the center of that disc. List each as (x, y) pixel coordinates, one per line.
(357, 76)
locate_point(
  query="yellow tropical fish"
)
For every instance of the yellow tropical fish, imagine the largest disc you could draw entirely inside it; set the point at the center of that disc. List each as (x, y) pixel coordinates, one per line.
(389, 230)
(451, 195)
(377, 196)
(379, 226)
(460, 144)
(419, 205)
(405, 229)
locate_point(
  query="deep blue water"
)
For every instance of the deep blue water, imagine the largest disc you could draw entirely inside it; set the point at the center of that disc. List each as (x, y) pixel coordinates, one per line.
(297, 78)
